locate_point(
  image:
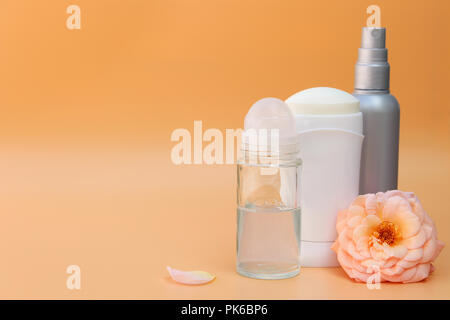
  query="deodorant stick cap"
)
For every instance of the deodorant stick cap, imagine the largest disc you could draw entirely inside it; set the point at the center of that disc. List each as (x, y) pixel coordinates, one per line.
(323, 100)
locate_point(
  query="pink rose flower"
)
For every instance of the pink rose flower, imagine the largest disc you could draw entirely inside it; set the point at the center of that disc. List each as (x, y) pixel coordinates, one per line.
(389, 233)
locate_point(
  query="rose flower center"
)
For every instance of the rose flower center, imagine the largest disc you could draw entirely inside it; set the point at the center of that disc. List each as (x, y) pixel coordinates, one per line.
(387, 232)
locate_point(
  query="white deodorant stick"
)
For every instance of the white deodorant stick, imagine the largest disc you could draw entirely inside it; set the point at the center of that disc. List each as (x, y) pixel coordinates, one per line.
(329, 124)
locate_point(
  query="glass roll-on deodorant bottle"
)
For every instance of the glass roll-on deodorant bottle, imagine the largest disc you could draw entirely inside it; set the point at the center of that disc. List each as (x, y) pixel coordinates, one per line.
(381, 114)
(268, 172)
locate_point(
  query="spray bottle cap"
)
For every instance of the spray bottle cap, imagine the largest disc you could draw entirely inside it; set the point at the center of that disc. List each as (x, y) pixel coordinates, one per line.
(372, 67)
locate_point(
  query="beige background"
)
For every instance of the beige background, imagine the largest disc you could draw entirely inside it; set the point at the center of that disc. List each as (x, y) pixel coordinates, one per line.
(86, 176)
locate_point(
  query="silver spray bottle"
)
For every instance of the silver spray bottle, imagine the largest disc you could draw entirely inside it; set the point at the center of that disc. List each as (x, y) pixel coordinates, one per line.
(381, 114)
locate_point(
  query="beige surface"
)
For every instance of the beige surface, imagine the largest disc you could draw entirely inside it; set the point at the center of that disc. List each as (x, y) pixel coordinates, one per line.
(123, 216)
(86, 119)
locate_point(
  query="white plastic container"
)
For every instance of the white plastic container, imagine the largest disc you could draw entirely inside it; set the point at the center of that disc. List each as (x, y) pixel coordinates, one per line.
(330, 126)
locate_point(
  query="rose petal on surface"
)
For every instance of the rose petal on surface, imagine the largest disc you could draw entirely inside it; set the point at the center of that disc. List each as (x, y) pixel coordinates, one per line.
(190, 277)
